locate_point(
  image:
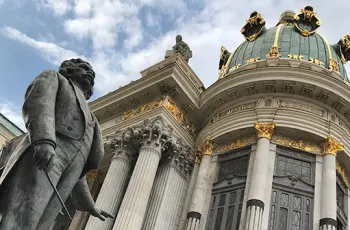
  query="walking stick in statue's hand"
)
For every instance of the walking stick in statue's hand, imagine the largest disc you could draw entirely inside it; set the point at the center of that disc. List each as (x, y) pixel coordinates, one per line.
(58, 195)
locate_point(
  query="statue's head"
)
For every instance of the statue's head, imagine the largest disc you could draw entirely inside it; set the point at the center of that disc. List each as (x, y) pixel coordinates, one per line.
(178, 38)
(80, 72)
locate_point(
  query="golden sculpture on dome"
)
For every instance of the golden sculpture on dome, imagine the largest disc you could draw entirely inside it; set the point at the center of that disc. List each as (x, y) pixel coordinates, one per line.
(253, 27)
(307, 21)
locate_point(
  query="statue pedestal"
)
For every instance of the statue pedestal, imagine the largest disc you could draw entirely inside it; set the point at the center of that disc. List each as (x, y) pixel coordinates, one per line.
(169, 53)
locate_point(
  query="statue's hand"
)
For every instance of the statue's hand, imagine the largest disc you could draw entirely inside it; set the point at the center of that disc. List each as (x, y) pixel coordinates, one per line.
(102, 215)
(44, 156)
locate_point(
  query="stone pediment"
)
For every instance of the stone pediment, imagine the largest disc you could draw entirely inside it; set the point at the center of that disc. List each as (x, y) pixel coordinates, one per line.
(293, 182)
(228, 181)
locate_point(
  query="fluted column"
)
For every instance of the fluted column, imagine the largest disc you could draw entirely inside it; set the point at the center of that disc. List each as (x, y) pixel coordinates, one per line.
(198, 198)
(255, 204)
(328, 219)
(133, 208)
(167, 191)
(115, 183)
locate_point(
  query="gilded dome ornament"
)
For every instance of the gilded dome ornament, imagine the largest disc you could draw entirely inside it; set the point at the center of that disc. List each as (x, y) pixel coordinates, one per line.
(344, 48)
(253, 27)
(307, 22)
(224, 56)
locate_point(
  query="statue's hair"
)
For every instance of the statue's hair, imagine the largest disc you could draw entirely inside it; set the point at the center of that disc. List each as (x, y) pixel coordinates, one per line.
(68, 65)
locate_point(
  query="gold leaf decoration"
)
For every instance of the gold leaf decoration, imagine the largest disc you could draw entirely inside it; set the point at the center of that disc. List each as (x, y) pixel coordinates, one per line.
(297, 144)
(236, 144)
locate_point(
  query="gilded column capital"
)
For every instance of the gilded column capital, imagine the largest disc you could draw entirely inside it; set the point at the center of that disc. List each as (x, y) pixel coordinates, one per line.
(93, 176)
(332, 146)
(264, 130)
(207, 147)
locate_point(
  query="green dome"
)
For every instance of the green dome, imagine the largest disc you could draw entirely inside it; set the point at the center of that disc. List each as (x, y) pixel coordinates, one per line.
(291, 43)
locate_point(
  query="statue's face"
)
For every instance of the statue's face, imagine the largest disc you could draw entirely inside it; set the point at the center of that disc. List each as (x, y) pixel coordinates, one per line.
(178, 38)
(84, 75)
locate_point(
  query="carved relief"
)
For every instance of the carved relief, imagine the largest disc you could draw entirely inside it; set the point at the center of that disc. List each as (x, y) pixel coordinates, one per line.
(307, 91)
(226, 113)
(338, 105)
(142, 109)
(343, 174)
(324, 96)
(303, 107)
(297, 144)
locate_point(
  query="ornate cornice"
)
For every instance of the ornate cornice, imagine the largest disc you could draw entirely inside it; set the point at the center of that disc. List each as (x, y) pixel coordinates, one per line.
(264, 130)
(332, 146)
(207, 147)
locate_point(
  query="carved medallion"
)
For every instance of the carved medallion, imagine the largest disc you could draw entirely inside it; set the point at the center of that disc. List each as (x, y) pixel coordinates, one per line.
(307, 22)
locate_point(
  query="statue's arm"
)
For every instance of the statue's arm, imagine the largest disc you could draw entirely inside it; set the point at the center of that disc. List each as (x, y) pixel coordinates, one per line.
(39, 108)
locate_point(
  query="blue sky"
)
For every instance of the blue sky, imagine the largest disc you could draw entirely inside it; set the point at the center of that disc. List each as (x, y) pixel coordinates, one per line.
(121, 38)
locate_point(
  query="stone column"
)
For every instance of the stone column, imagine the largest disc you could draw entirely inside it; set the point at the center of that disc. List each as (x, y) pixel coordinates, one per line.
(116, 180)
(94, 179)
(133, 208)
(255, 204)
(189, 193)
(195, 213)
(168, 189)
(328, 219)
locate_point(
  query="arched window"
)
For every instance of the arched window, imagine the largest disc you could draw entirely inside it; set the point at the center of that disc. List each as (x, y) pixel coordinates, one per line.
(292, 191)
(228, 190)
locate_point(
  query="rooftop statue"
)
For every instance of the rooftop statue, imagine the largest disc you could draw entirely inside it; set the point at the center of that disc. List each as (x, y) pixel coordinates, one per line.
(62, 144)
(182, 48)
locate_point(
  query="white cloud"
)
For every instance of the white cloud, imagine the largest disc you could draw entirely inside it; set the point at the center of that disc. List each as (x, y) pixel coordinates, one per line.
(52, 52)
(12, 113)
(217, 23)
(58, 7)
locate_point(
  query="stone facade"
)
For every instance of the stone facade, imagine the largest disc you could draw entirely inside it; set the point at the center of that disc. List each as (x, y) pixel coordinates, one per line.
(267, 146)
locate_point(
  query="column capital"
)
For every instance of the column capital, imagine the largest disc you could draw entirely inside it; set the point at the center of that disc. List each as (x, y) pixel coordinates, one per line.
(125, 143)
(156, 134)
(207, 147)
(264, 130)
(331, 146)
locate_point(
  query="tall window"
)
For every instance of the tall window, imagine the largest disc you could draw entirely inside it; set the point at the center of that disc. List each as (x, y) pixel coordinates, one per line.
(341, 204)
(228, 191)
(292, 193)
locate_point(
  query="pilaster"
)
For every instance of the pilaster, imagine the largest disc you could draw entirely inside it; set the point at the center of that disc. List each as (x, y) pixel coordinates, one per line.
(124, 146)
(154, 142)
(257, 189)
(329, 184)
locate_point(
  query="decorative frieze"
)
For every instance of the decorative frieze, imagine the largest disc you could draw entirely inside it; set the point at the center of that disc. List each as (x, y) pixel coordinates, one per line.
(170, 105)
(332, 146)
(264, 130)
(288, 88)
(300, 144)
(236, 144)
(323, 97)
(338, 105)
(307, 91)
(251, 89)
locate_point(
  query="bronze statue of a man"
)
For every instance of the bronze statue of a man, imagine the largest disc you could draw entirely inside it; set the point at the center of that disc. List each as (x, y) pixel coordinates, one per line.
(182, 48)
(64, 139)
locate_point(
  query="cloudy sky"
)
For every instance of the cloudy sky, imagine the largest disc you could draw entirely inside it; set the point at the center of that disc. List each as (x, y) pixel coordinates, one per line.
(122, 37)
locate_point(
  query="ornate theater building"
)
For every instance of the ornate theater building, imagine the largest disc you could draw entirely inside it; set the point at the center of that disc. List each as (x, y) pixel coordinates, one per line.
(266, 147)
